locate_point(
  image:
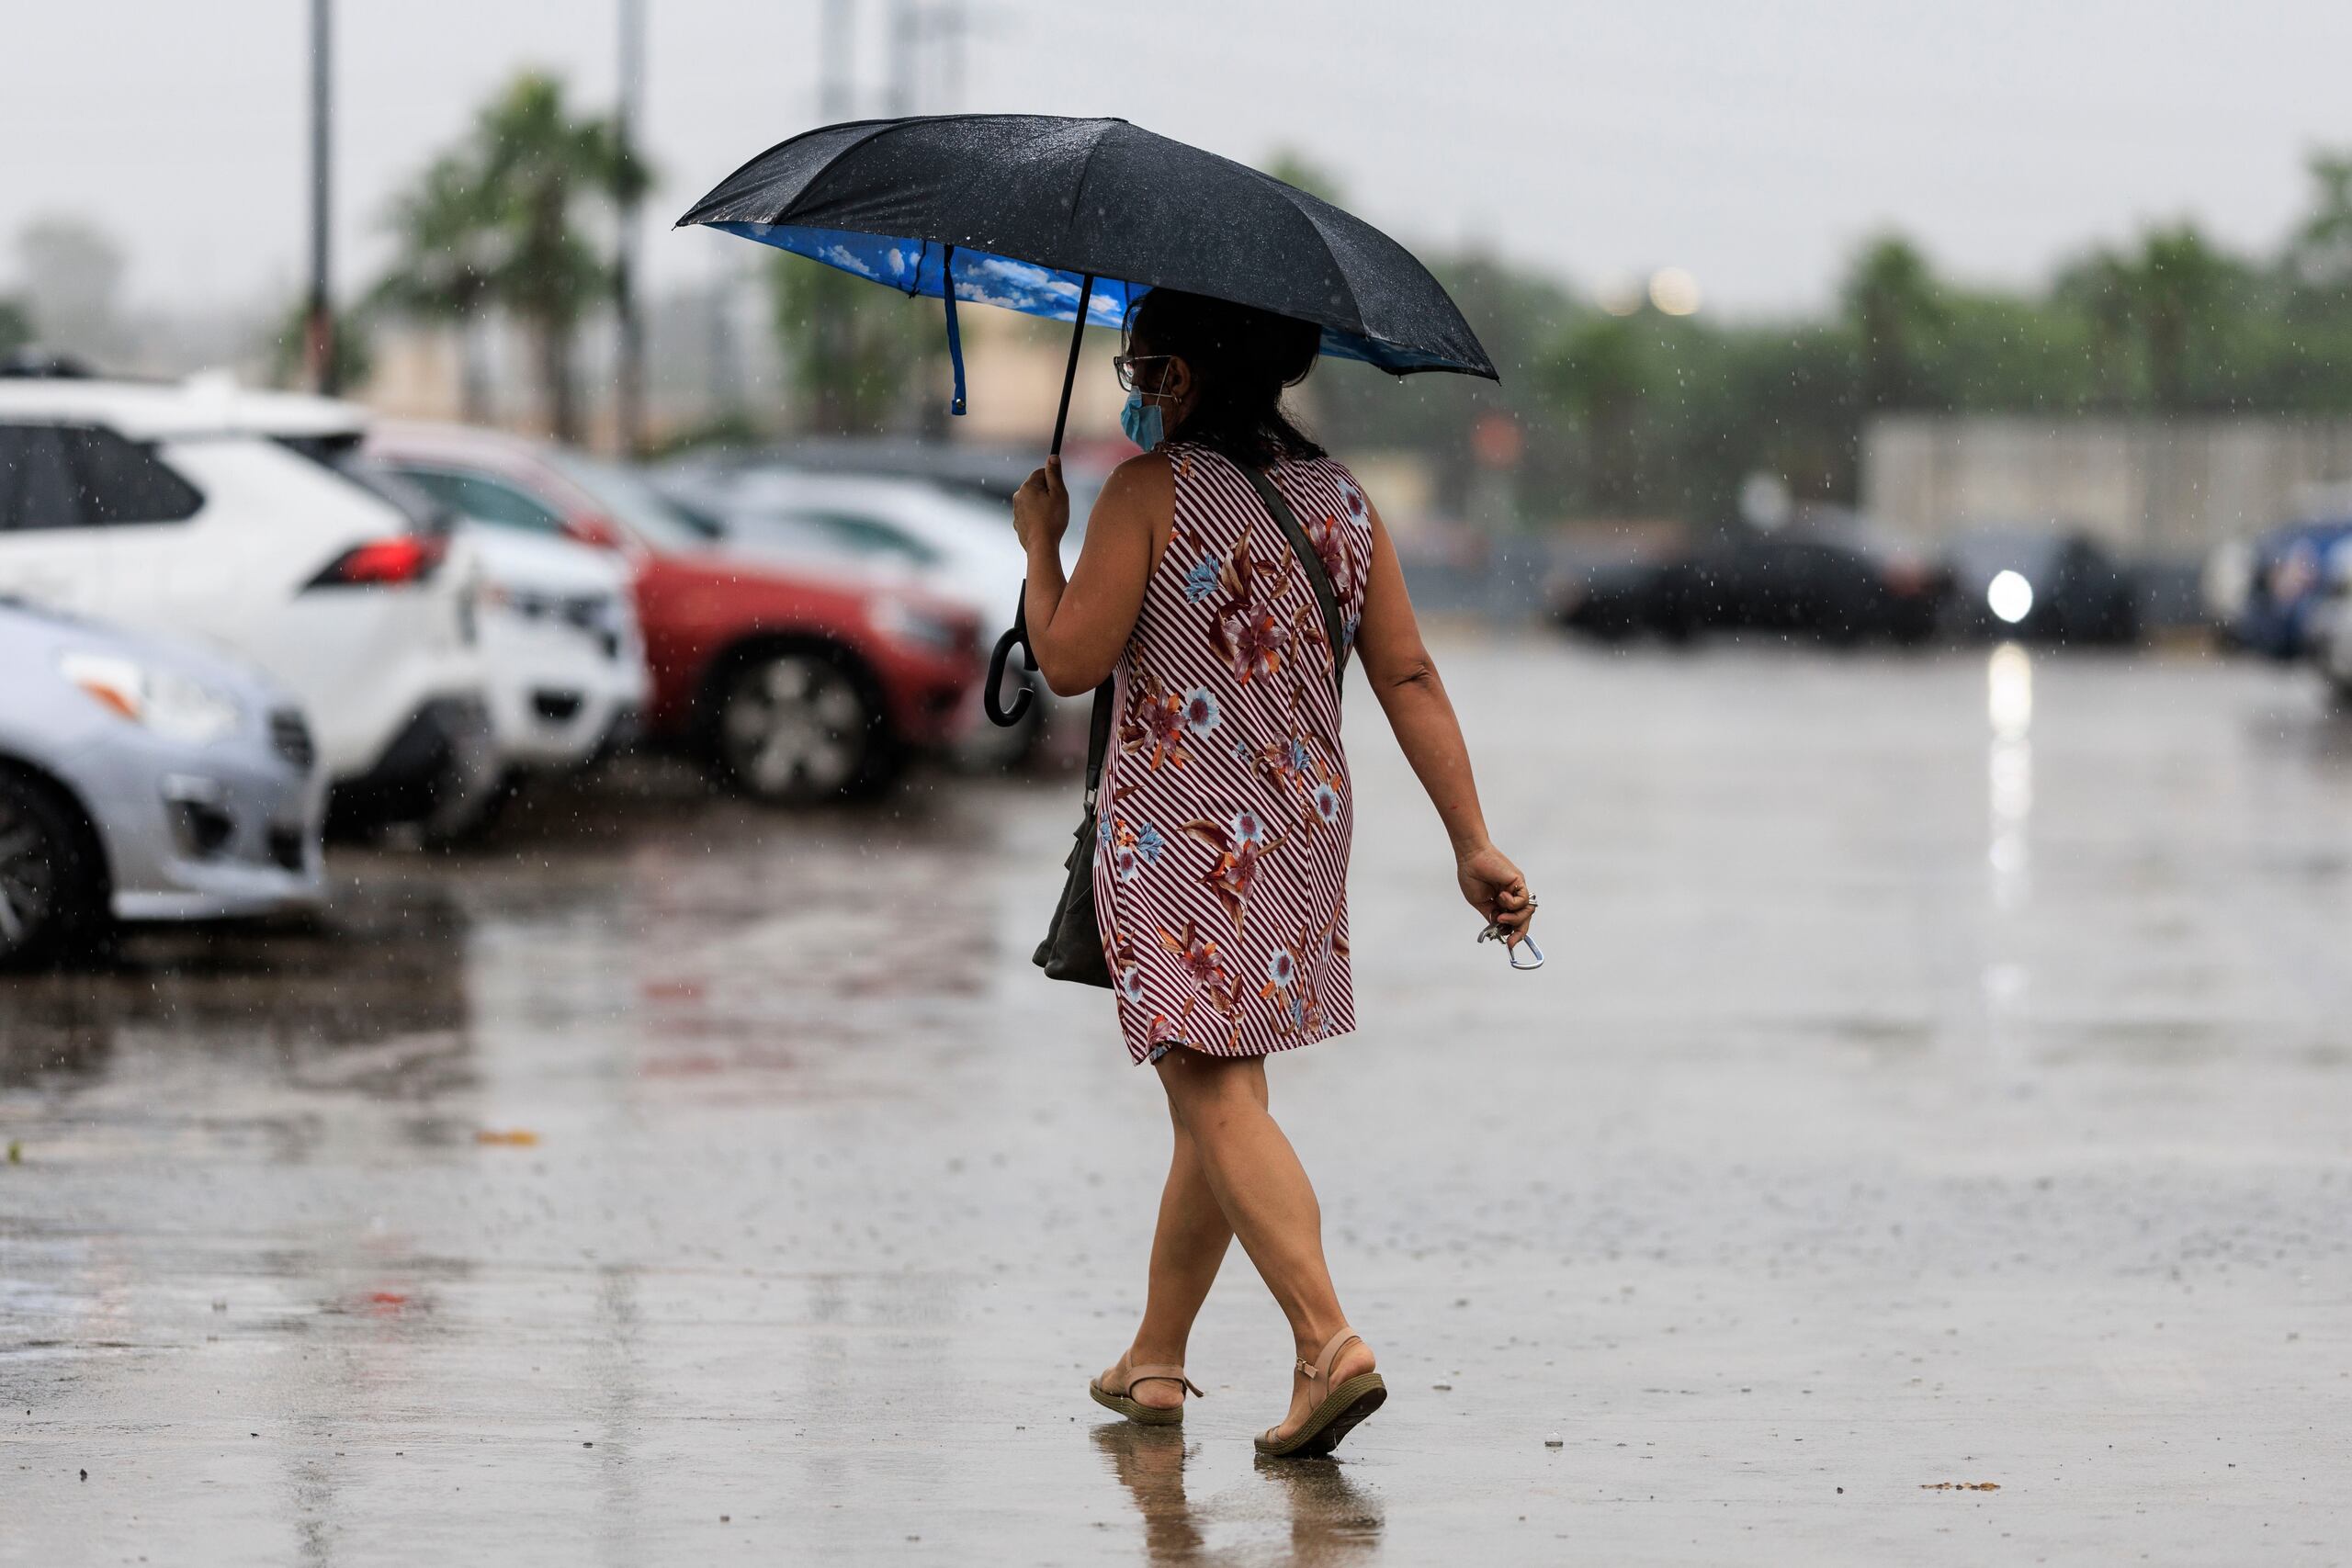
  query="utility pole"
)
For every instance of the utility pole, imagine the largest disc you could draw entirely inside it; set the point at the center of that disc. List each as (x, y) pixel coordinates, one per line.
(629, 405)
(318, 327)
(904, 40)
(953, 27)
(833, 61)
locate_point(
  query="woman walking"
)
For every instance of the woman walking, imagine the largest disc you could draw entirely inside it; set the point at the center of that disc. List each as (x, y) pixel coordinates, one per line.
(1223, 814)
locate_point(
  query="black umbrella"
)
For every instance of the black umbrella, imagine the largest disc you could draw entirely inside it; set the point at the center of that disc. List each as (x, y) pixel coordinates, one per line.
(1073, 220)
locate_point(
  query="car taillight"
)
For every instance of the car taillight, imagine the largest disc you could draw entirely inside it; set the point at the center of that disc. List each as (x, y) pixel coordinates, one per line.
(381, 563)
(1905, 579)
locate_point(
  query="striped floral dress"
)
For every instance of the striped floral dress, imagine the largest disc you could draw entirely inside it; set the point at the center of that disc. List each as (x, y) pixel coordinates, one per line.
(1221, 877)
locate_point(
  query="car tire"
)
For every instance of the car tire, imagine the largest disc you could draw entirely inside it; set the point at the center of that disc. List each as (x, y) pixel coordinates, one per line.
(52, 879)
(796, 726)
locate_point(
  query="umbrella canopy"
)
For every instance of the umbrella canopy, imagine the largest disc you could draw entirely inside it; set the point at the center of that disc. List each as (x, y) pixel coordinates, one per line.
(1040, 210)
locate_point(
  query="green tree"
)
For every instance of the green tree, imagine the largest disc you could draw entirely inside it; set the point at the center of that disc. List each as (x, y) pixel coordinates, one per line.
(444, 270)
(1601, 372)
(2319, 257)
(1895, 311)
(498, 220)
(539, 168)
(15, 326)
(850, 349)
(2184, 289)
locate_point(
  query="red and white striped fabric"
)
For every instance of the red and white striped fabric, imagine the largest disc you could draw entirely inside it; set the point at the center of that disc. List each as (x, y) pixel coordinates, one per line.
(1221, 873)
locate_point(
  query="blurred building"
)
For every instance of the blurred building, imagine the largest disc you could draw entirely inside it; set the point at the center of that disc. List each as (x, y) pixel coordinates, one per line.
(2165, 489)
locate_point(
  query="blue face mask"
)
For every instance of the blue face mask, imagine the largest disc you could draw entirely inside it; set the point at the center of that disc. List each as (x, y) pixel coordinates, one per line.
(1141, 421)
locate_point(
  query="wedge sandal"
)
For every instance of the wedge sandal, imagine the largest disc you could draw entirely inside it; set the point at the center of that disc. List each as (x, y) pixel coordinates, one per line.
(1121, 1398)
(1336, 1415)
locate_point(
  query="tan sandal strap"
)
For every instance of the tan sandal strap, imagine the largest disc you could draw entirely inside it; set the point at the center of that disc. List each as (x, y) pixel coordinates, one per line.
(1321, 1370)
(1173, 1374)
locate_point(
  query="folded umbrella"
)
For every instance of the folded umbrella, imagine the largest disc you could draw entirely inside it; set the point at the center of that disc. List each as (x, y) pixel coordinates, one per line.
(1074, 220)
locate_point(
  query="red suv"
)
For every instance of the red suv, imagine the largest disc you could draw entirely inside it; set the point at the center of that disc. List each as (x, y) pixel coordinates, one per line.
(794, 683)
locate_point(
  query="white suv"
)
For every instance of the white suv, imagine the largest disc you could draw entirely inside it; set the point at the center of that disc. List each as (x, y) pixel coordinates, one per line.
(148, 506)
(563, 663)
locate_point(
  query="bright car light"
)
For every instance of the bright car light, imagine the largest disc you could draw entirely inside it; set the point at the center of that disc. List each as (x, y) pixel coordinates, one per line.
(904, 622)
(166, 702)
(2010, 596)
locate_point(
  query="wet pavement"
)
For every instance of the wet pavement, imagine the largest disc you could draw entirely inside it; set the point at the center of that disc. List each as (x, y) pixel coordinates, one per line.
(1943, 1074)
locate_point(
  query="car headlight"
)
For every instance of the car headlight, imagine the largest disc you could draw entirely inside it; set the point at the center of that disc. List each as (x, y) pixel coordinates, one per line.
(170, 703)
(904, 622)
(2010, 596)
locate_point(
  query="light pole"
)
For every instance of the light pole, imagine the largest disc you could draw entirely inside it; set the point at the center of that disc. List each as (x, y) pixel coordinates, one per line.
(833, 61)
(318, 327)
(629, 405)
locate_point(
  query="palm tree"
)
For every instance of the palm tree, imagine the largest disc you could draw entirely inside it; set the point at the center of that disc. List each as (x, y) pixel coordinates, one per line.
(496, 223)
(535, 165)
(442, 272)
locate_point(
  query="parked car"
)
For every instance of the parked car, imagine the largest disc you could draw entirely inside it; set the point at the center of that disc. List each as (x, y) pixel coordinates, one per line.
(142, 780)
(957, 543)
(2280, 587)
(795, 682)
(1610, 601)
(2037, 585)
(151, 507)
(2328, 624)
(1836, 586)
(563, 664)
(990, 473)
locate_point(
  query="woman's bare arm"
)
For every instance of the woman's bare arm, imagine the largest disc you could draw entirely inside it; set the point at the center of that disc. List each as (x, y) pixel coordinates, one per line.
(1403, 677)
(1077, 628)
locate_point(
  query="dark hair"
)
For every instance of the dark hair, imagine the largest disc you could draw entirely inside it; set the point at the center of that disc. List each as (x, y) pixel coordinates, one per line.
(1241, 359)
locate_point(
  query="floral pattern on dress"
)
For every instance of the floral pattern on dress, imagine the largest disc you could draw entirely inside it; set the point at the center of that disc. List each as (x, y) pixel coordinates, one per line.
(1225, 803)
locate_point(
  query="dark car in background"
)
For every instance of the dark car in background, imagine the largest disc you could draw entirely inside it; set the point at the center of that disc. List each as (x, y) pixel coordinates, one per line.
(2039, 585)
(1838, 586)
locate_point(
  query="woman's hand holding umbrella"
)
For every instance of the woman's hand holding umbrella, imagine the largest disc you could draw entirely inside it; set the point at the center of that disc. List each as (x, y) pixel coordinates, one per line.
(1041, 510)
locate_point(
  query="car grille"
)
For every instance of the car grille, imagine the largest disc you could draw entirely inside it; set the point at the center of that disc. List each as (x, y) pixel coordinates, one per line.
(291, 734)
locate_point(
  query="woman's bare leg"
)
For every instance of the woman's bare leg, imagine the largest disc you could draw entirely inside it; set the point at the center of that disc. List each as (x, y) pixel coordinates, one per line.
(1187, 1249)
(1265, 1197)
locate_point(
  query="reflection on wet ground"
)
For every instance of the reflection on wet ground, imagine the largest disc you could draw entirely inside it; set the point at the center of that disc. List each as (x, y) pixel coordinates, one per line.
(1940, 1075)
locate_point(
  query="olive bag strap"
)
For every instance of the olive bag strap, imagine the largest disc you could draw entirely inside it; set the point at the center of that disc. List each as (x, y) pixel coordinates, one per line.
(1310, 563)
(1073, 946)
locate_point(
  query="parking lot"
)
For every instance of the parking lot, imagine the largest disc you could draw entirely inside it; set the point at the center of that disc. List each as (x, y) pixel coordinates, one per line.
(1942, 1075)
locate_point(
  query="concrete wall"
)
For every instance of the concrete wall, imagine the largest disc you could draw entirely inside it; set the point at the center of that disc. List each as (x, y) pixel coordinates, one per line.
(2166, 489)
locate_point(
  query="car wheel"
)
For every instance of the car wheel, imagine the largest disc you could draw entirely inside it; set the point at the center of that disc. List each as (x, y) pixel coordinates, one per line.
(52, 888)
(795, 728)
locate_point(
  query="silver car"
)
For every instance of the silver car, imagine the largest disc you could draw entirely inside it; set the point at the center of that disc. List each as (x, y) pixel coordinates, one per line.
(143, 780)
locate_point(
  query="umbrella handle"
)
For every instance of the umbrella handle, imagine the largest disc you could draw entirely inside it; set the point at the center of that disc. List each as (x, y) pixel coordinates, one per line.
(1005, 715)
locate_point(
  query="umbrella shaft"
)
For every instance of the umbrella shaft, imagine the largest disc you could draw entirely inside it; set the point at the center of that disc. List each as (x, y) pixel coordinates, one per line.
(1069, 376)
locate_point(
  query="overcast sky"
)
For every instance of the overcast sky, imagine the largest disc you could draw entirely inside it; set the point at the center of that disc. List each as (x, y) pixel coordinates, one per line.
(1749, 141)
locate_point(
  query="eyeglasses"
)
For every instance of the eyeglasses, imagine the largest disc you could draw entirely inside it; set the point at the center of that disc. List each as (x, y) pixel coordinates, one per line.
(1526, 943)
(1123, 366)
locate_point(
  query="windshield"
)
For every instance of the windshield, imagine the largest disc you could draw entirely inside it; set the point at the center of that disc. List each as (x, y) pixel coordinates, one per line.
(637, 507)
